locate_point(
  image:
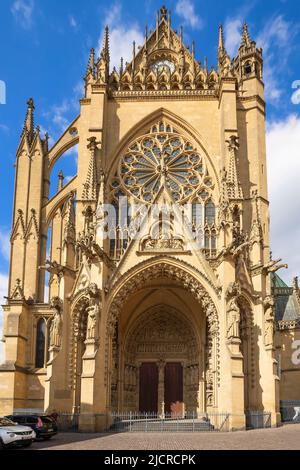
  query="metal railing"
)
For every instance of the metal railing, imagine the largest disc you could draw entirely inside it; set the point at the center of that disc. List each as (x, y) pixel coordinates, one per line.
(189, 421)
(168, 422)
(258, 420)
(290, 411)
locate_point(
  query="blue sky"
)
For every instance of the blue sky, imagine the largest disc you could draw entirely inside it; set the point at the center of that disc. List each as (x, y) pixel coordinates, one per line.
(44, 50)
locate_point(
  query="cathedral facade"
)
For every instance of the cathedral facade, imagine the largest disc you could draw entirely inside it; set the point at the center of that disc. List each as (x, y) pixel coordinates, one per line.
(163, 295)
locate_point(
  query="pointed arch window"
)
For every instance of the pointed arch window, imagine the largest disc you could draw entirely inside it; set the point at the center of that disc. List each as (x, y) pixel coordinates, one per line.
(40, 344)
(210, 213)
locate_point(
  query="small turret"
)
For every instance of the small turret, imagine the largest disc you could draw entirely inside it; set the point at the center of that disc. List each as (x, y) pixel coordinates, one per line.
(249, 62)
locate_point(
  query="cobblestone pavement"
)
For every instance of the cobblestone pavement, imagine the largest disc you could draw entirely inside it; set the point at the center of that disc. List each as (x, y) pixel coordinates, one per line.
(283, 438)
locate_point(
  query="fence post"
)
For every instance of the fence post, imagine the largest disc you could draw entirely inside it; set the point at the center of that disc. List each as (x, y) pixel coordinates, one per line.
(193, 421)
(130, 427)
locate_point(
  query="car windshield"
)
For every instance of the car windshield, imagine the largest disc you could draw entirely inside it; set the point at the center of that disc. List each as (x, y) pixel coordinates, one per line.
(6, 422)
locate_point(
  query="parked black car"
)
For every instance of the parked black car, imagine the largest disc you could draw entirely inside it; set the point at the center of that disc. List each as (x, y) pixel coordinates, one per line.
(45, 427)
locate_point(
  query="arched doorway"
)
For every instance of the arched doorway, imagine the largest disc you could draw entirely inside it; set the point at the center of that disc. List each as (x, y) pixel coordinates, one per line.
(161, 363)
(162, 330)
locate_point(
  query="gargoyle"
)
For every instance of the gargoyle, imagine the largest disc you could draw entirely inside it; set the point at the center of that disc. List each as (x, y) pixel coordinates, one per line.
(273, 266)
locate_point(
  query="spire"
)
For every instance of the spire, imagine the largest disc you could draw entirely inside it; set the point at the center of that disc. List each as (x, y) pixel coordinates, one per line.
(234, 189)
(181, 34)
(246, 41)
(90, 186)
(105, 50)
(103, 61)
(221, 39)
(121, 67)
(29, 120)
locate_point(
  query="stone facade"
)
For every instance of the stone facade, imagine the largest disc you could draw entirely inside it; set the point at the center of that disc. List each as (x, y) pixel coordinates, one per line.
(162, 131)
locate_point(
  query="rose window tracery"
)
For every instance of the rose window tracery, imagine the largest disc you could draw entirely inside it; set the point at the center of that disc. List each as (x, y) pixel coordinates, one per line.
(162, 158)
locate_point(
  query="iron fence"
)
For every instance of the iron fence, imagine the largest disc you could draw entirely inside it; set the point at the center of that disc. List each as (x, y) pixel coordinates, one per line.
(290, 411)
(120, 422)
(258, 420)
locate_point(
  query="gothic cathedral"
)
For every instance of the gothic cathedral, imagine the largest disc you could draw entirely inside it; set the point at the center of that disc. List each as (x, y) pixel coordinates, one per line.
(146, 283)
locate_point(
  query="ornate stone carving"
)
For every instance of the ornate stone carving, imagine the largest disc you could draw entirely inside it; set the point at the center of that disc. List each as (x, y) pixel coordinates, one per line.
(273, 266)
(190, 283)
(17, 292)
(93, 311)
(233, 311)
(269, 308)
(57, 323)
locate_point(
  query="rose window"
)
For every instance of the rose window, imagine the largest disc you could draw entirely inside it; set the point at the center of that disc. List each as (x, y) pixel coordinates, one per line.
(162, 159)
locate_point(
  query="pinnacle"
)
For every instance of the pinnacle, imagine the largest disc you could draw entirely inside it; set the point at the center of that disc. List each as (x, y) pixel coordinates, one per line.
(221, 38)
(245, 37)
(29, 120)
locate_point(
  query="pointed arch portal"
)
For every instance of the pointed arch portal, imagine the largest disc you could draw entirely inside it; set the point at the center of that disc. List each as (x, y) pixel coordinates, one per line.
(162, 342)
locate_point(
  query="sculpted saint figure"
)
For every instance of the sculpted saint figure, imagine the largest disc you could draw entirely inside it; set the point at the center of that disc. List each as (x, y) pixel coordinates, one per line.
(269, 305)
(93, 311)
(57, 323)
(233, 319)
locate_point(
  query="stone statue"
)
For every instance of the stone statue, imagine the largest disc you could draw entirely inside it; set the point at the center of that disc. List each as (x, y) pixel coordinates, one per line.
(92, 322)
(57, 323)
(233, 319)
(269, 306)
(93, 311)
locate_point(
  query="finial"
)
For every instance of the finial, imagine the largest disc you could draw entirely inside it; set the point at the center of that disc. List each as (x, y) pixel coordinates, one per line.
(193, 49)
(163, 13)
(146, 34)
(181, 34)
(121, 67)
(205, 65)
(221, 38)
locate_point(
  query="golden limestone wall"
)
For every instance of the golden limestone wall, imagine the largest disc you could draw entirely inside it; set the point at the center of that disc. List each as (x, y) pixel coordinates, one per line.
(224, 297)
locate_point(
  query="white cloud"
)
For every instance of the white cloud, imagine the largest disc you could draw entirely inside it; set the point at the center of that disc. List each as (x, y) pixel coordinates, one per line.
(276, 40)
(5, 244)
(72, 21)
(283, 143)
(186, 9)
(3, 293)
(232, 32)
(121, 36)
(23, 12)
(295, 99)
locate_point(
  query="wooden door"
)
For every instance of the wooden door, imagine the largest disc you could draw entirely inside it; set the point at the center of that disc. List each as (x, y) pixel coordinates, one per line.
(148, 387)
(174, 388)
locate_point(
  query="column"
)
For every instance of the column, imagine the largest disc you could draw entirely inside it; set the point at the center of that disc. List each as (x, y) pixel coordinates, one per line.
(161, 388)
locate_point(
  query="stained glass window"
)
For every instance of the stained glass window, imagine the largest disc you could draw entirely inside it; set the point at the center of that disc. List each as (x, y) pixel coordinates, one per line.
(162, 159)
